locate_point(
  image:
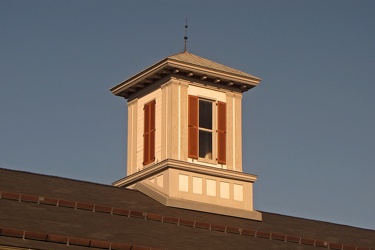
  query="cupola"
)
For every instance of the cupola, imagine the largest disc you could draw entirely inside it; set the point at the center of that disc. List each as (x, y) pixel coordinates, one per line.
(185, 135)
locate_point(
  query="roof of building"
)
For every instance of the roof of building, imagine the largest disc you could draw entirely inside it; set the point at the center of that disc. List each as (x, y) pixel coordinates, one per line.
(46, 212)
(188, 65)
(188, 57)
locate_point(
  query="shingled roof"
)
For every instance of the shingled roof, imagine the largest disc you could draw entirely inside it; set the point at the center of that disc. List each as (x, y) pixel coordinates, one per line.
(45, 212)
(188, 57)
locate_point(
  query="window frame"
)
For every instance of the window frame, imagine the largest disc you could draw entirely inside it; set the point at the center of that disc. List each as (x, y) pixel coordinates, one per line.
(194, 129)
(212, 130)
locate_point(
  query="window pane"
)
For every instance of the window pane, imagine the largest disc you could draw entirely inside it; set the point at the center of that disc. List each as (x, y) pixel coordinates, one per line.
(205, 114)
(205, 144)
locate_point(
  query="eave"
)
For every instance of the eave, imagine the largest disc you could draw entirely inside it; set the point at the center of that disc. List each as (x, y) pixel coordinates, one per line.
(176, 68)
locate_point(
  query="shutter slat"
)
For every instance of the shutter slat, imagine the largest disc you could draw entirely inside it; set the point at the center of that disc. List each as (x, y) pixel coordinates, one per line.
(193, 127)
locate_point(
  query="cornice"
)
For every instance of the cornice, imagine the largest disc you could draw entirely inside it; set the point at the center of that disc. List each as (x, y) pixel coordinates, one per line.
(177, 68)
(185, 166)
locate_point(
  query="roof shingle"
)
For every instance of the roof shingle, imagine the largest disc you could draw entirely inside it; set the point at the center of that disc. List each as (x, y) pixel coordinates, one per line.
(145, 222)
(188, 57)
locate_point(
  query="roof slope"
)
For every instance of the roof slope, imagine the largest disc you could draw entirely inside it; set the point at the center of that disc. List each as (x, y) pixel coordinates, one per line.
(188, 57)
(39, 211)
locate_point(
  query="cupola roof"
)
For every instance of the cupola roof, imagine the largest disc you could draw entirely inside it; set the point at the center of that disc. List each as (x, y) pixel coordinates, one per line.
(189, 65)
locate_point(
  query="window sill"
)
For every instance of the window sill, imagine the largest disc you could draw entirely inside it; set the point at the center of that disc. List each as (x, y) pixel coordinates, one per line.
(205, 160)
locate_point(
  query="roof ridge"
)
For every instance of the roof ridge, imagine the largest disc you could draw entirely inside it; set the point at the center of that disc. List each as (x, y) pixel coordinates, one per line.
(173, 220)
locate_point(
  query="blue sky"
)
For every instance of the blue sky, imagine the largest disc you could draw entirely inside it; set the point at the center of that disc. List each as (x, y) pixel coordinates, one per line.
(308, 127)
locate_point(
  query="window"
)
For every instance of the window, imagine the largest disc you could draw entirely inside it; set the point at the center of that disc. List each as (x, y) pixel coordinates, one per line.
(205, 129)
(149, 133)
(202, 131)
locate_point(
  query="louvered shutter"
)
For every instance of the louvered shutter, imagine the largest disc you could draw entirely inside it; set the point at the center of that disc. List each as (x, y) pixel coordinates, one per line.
(152, 132)
(193, 127)
(149, 133)
(221, 132)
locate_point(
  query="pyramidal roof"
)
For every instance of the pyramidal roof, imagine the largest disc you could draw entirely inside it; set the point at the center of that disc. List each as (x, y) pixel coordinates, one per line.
(188, 57)
(186, 64)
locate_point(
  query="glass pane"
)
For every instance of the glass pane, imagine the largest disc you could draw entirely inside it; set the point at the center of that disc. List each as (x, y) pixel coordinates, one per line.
(205, 144)
(205, 114)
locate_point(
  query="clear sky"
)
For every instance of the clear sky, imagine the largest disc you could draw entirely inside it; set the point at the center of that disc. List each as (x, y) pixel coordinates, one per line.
(308, 127)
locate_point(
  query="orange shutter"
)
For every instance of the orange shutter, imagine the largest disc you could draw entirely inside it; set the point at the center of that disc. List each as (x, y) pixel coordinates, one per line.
(149, 133)
(193, 127)
(152, 131)
(221, 132)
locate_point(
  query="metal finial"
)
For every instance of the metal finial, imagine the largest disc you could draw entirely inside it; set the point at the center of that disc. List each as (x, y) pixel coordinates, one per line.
(185, 37)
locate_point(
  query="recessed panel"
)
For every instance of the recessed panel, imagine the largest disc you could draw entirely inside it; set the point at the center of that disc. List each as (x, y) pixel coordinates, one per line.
(224, 190)
(237, 192)
(211, 188)
(183, 183)
(197, 185)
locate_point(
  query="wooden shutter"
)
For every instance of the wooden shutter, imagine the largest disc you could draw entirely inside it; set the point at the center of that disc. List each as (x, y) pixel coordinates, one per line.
(193, 127)
(149, 133)
(221, 132)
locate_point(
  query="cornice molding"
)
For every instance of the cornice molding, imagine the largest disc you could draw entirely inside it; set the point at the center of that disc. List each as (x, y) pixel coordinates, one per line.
(178, 68)
(149, 171)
